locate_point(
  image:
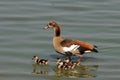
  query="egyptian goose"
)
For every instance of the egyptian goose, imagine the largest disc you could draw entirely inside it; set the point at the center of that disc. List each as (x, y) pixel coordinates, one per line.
(39, 61)
(69, 47)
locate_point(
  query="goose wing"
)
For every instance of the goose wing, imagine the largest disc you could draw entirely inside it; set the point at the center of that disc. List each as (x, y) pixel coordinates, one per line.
(70, 44)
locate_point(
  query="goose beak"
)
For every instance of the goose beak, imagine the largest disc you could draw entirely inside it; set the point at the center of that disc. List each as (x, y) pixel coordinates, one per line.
(46, 27)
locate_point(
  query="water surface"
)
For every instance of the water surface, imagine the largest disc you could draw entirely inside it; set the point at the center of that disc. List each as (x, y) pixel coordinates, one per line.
(22, 36)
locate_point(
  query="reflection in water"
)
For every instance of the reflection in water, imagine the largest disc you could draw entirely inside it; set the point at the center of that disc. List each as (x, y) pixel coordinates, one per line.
(41, 71)
(81, 71)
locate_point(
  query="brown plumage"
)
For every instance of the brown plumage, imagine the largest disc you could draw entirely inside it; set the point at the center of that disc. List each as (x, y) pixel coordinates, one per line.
(66, 64)
(69, 47)
(37, 60)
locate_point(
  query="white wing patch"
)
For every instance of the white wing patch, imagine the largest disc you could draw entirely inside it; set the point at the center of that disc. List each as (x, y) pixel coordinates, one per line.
(72, 47)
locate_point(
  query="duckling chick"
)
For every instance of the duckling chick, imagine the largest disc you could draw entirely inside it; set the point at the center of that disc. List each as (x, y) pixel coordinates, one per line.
(76, 62)
(39, 61)
(60, 65)
(72, 65)
(69, 65)
(65, 64)
(58, 60)
(43, 61)
(36, 59)
(66, 60)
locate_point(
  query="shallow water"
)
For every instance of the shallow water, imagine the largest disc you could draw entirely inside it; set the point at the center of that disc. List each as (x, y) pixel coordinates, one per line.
(22, 36)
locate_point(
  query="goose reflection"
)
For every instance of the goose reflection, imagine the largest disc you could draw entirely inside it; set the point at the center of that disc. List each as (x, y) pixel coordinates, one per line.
(82, 71)
(79, 71)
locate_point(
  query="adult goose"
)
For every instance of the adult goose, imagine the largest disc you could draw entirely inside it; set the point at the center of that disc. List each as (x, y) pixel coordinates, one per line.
(69, 47)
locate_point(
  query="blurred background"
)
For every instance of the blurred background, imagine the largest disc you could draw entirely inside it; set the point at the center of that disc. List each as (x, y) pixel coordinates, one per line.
(22, 36)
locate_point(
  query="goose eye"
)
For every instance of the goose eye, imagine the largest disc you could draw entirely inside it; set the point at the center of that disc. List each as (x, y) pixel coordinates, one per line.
(50, 24)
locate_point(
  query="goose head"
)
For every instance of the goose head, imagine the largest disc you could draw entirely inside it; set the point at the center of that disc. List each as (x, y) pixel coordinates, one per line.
(51, 24)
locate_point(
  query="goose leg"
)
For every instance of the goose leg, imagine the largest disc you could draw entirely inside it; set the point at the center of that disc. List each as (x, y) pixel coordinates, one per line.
(80, 57)
(69, 58)
(69, 54)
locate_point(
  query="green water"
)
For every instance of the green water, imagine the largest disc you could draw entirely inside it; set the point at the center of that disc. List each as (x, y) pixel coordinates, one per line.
(22, 36)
